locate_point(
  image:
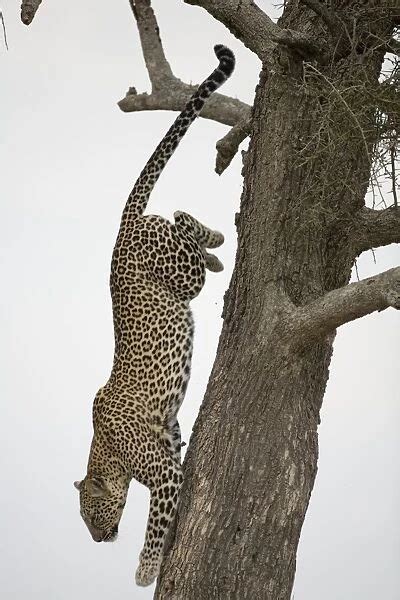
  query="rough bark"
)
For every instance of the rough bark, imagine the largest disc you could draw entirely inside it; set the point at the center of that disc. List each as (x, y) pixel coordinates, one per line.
(252, 458)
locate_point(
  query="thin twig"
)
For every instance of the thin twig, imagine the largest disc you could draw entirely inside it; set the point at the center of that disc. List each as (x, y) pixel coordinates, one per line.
(393, 46)
(356, 267)
(350, 111)
(4, 29)
(393, 162)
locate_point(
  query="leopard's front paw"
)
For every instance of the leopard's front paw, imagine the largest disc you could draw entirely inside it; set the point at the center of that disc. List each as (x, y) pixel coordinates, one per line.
(147, 571)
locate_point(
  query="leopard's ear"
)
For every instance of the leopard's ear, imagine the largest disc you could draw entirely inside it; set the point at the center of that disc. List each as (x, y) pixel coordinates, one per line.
(97, 487)
(78, 484)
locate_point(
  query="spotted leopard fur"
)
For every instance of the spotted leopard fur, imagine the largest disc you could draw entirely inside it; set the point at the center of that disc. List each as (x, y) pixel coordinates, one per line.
(157, 268)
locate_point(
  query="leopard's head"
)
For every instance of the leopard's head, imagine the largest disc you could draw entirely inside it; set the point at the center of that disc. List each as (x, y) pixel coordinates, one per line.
(102, 501)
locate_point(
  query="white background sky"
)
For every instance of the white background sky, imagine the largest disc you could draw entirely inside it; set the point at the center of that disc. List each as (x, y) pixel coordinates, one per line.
(69, 158)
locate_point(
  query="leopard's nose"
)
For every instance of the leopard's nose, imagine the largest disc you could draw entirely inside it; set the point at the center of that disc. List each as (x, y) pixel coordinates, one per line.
(97, 534)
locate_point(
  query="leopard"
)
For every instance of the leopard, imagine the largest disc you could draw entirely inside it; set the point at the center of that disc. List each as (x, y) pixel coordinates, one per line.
(157, 268)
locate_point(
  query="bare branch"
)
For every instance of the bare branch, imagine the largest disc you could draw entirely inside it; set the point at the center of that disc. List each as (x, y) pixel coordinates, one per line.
(393, 172)
(229, 144)
(374, 228)
(28, 10)
(219, 108)
(255, 29)
(321, 317)
(4, 29)
(153, 52)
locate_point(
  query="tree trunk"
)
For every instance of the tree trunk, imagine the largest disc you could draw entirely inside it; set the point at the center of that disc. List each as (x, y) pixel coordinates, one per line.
(252, 459)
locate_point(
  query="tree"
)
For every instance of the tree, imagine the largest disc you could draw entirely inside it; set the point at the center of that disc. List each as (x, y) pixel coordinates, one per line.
(325, 118)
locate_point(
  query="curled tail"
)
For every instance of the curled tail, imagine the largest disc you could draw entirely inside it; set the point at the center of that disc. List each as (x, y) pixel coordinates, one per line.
(139, 196)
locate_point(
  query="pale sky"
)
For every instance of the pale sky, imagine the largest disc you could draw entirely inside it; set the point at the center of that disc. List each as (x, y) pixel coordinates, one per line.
(69, 158)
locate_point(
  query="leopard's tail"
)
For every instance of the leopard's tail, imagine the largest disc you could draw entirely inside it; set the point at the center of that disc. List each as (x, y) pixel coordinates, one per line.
(139, 196)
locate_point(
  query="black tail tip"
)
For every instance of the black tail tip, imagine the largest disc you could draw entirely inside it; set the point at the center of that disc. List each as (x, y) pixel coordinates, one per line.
(226, 58)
